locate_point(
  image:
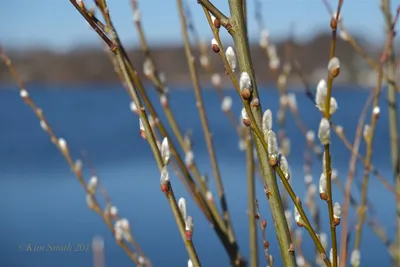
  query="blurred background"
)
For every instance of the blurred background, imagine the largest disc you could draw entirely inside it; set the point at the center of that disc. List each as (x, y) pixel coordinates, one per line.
(71, 78)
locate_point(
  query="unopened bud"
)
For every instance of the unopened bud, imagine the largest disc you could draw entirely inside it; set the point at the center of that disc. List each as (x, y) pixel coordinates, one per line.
(334, 67)
(324, 131)
(245, 85)
(216, 22)
(215, 46)
(142, 129)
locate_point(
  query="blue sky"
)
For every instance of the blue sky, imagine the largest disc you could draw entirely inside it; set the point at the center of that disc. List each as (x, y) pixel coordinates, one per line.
(57, 25)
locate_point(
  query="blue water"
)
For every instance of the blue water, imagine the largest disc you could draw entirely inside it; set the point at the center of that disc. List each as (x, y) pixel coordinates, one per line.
(42, 203)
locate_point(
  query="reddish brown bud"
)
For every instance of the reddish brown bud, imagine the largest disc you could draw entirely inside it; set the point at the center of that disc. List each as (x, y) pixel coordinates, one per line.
(264, 224)
(217, 23)
(266, 244)
(188, 234)
(246, 93)
(323, 196)
(215, 48)
(333, 24)
(336, 222)
(164, 187)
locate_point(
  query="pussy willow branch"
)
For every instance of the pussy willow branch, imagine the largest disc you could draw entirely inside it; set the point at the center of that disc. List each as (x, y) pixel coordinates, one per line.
(263, 227)
(173, 123)
(341, 136)
(368, 158)
(237, 261)
(65, 153)
(393, 110)
(225, 21)
(130, 81)
(296, 202)
(230, 248)
(245, 64)
(248, 109)
(328, 166)
(350, 177)
(251, 196)
(352, 41)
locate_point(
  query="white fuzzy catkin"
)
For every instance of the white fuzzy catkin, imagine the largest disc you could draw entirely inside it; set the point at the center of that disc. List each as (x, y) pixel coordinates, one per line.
(376, 111)
(164, 178)
(355, 258)
(245, 81)
(320, 96)
(182, 208)
(297, 216)
(267, 121)
(165, 151)
(92, 184)
(310, 136)
(324, 131)
(231, 57)
(190, 264)
(24, 93)
(189, 158)
(323, 186)
(272, 144)
(216, 79)
(333, 64)
(337, 210)
(284, 165)
(226, 104)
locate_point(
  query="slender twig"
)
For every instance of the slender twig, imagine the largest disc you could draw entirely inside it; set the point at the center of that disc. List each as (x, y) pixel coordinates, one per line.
(65, 153)
(393, 109)
(207, 133)
(369, 140)
(296, 201)
(155, 78)
(263, 226)
(251, 196)
(245, 64)
(357, 47)
(328, 167)
(224, 20)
